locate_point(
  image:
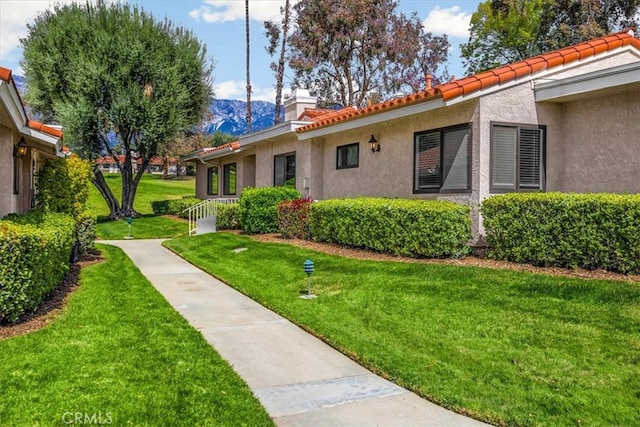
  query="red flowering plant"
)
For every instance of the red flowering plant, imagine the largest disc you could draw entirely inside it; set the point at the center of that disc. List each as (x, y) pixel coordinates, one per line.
(293, 218)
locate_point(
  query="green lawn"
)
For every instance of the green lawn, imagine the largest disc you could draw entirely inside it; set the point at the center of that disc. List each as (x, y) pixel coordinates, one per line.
(120, 352)
(507, 347)
(148, 226)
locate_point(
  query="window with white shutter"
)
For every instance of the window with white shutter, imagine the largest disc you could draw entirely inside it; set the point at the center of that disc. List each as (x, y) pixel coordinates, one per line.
(517, 157)
(442, 160)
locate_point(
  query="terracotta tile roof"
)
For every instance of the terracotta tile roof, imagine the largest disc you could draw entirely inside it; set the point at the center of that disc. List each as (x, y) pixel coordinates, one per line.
(5, 74)
(314, 113)
(230, 146)
(44, 128)
(484, 80)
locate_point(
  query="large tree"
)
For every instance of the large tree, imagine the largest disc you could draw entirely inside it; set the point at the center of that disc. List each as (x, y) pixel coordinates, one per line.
(113, 76)
(344, 50)
(505, 31)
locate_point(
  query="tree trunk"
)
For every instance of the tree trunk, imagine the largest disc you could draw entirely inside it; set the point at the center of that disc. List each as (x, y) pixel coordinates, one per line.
(101, 184)
(280, 73)
(246, 12)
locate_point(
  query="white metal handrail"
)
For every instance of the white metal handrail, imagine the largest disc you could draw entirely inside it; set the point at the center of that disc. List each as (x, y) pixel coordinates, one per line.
(205, 209)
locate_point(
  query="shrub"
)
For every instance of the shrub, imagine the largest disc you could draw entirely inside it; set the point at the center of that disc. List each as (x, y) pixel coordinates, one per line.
(416, 228)
(85, 231)
(592, 231)
(34, 257)
(228, 217)
(174, 206)
(293, 218)
(259, 208)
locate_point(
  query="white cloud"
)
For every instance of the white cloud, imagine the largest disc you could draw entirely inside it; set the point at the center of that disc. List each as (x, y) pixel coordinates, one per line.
(14, 16)
(233, 10)
(236, 89)
(452, 21)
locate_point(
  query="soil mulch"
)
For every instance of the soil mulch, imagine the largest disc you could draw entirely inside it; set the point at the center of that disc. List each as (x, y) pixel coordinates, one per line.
(473, 261)
(54, 305)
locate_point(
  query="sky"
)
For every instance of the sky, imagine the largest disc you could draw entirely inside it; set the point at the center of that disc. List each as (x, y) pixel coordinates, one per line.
(220, 25)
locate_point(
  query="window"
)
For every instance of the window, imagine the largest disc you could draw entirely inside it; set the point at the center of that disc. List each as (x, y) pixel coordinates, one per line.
(347, 156)
(442, 161)
(212, 181)
(517, 157)
(229, 179)
(284, 170)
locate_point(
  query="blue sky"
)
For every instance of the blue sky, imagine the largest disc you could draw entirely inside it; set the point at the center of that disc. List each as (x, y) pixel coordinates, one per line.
(220, 25)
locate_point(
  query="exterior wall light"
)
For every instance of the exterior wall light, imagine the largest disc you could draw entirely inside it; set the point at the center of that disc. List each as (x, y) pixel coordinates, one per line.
(375, 145)
(22, 147)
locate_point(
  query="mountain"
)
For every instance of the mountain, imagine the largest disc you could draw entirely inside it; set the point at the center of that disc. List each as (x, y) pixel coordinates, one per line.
(228, 116)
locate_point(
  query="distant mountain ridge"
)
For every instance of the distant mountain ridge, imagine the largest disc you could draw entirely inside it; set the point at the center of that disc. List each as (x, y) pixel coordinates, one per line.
(228, 115)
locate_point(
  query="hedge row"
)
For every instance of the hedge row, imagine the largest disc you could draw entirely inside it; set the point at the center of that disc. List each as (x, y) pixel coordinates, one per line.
(592, 231)
(259, 208)
(174, 206)
(228, 217)
(416, 228)
(35, 249)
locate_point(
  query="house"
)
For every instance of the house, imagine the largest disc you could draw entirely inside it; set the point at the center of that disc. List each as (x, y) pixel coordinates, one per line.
(567, 120)
(107, 164)
(24, 146)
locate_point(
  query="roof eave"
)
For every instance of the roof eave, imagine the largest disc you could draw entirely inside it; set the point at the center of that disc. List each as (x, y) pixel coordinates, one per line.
(272, 132)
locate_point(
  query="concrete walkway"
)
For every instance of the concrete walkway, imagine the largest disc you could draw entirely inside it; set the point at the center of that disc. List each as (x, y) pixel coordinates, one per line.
(300, 380)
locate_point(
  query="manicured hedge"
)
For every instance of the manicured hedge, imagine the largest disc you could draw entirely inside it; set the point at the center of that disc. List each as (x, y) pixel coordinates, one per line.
(174, 206)
(416, 228)
(228, 217)
(592, 231)
(293, 218)
(34, 257)
(259, 208)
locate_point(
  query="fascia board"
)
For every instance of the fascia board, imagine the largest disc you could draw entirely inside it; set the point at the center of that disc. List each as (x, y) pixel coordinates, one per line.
(11, 100)
(272, 132)
(372, 119)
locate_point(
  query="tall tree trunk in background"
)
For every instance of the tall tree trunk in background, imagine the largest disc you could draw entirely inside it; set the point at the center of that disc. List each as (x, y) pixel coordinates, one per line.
(246, 14)
(280, 71)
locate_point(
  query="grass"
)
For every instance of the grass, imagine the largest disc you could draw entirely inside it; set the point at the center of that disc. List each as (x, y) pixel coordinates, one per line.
(148, 225)
(503, 346)
(120, 352)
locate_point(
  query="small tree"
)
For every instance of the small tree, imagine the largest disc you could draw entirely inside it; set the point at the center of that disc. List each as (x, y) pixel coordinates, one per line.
(277, 34)
(114, 76)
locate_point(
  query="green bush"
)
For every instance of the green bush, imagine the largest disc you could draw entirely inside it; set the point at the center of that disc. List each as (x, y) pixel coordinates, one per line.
(174, 206)
(259, 208)
(85, 231)
(416, 228)
(293, 219)
(228, 217)
(592, 231)
(35, 249)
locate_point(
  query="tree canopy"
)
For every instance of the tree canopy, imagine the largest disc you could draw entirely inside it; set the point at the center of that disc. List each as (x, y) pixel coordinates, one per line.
(349, 51)
(112, 75)
(505, 31)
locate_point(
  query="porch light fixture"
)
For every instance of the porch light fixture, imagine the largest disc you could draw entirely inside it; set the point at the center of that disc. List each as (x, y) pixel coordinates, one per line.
(375, 145)
(22, 147)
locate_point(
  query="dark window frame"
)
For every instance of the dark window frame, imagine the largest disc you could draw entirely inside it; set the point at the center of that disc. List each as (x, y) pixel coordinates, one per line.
(275, 174)
(16, 171)
(346, 156)
(226, 179)
(543, 158)
(443, 130)
(209, 173)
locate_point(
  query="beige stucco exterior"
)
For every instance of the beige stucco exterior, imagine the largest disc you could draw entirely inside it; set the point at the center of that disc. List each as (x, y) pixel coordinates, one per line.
(591, 139)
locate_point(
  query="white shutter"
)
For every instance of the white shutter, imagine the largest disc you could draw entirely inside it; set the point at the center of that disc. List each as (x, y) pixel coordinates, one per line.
(456, 159)
(503, 157)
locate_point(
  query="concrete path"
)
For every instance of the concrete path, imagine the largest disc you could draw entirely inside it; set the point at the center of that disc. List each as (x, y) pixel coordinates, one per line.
(300, 380)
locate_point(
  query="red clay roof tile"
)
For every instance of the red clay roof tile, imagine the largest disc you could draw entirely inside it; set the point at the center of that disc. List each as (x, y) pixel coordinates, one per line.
(44, 128)
(5, 74)
(486, 79)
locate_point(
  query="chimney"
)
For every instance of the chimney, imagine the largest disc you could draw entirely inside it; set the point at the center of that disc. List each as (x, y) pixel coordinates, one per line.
(429, 78)
(299, 101)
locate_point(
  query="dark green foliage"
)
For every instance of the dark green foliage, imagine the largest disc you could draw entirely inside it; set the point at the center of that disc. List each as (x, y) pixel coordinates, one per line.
(228, 217)
(174, 206)
(593, 231)
(416, 228)
(85, 231)
(34, 257)
(259, 208)
(293, 218)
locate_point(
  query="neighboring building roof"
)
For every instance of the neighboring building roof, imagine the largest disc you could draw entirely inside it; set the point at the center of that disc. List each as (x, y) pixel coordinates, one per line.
(453, 89)
(155, 161)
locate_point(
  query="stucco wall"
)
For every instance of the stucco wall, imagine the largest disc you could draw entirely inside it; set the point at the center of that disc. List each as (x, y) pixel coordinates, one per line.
(599, 149)
(8, 202)
(241, 174)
